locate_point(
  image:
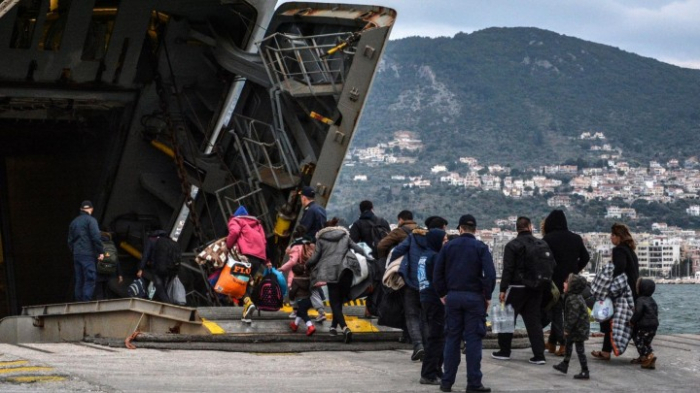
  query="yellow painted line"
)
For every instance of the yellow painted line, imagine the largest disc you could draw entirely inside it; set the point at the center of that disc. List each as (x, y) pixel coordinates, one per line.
(13, 363)
(212, 327)
(23, 369)
(359, 325)
(36, 378)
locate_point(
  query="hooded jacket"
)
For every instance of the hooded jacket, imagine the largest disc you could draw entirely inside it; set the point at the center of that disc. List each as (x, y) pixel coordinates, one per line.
(394, 238)
(567, 247)
(576, 321)
(330, 256)
(413, 248)
(246, 232)
(646, 312)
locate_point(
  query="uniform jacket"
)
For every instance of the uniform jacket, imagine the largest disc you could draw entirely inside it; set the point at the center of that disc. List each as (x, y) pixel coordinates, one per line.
(576, 320)
(330, 256)
(247, 234)
(84, 236)
(464, 264)
(646, 312)
(394, 238)
(314, 218)
(567, 247)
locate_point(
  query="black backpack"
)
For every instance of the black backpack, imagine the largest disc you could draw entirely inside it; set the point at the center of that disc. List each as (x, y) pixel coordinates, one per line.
(166, 256)
(378, 232)
(538, 263)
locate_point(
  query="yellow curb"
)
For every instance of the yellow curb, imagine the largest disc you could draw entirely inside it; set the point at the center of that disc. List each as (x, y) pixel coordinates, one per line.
(24, 369)
(36, 378)
(13, 363)
(212, 327)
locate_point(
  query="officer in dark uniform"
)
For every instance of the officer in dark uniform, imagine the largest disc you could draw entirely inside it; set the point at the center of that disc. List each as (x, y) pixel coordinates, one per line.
(464, 278)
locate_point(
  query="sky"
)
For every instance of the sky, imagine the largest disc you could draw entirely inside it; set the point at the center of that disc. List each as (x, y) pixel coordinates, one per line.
(665, 30)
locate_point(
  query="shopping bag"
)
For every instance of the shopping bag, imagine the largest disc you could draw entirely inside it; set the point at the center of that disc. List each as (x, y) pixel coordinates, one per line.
(603, 310)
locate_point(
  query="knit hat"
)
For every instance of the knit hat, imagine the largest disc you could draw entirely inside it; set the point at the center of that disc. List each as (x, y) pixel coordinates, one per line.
(241, 211)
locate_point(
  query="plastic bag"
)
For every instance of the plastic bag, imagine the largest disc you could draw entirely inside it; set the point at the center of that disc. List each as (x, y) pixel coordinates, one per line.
(603, 310)
(176, 292)
(502, 318)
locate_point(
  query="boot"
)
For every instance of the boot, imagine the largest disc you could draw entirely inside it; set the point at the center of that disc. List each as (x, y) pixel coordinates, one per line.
(582, 375)
(550, 347)
(562, 367)
(649, 362)
(561, 351)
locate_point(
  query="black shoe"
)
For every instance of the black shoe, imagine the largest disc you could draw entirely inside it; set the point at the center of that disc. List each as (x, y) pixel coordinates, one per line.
(348, 335)
(582, 375)
(539, 360)
(333, 331)
(480, 389)
(417, 355)
(563, 367)
(445, 388)
(427, 381)
(500, 355)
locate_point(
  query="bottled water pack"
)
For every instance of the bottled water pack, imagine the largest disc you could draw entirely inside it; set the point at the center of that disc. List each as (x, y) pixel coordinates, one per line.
(502, 318)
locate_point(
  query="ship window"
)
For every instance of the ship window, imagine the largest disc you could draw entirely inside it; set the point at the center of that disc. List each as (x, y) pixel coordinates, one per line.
(100, 30)
(23, 32)
(54, 25)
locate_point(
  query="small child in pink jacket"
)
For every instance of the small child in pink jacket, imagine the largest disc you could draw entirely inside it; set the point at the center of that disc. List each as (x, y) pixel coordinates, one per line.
(299, 252)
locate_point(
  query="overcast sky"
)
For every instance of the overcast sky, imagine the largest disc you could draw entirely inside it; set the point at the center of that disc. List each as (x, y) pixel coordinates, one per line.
(663, 29)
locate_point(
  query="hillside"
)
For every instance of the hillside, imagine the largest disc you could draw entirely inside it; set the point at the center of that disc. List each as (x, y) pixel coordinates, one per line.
(521, 98)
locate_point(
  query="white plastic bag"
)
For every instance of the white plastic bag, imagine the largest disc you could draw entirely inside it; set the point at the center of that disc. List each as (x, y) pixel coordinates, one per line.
(603, 310)
(502, 318)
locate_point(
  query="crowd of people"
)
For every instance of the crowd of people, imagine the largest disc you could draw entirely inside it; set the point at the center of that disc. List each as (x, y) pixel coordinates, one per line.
(445, 284)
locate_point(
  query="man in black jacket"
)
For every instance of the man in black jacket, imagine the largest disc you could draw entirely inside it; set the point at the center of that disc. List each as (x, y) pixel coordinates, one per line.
(85, 244)
(571, 256)
(525, 301)
(362, 229)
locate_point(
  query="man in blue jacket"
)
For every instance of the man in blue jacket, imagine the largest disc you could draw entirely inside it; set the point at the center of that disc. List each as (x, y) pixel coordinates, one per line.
(464, 277)
(85, 244)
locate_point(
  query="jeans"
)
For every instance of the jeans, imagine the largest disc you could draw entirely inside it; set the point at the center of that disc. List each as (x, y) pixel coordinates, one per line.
(303, 306)
(557, 334)
(433, 317)
(337, 293)
(85, 276)
(466, 320)
(525, 302)
(412, 312)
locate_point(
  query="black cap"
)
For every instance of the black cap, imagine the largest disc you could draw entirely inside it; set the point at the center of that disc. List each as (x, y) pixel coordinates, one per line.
(468, 220)
(308, 192)
(86, 205)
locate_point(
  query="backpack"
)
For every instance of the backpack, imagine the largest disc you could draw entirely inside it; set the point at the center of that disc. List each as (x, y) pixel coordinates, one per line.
(267, 295)
(166, 256)
(108, 265)
(378, 232)
(538, 265)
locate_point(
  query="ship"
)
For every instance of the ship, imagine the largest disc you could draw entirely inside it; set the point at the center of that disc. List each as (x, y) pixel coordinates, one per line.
(169, 114)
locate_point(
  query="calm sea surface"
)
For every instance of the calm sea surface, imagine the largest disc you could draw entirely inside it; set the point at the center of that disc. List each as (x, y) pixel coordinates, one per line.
(679, 308)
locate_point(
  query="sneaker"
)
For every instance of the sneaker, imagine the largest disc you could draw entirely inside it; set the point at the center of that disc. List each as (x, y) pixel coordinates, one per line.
(417, 355)
(293, 326)
(310, 330)
(539, 360)
(500, 355)
(248, 308)
(348, 335)
(562, 367)
(582, 375)
(321, 317)
(293, 315)
(480, 389)
(332, 331)
(427, 381)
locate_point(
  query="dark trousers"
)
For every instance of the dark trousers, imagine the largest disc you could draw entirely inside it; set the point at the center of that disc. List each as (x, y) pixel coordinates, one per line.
(303, 306)
(465, 320)
(337, 294)
(556, 336)
(527, 303)
(257, 266)
(159, 282)
(102, 290)
(85, 276)
(606, 329)
(412, 312)
(580, 352)
(642, 340)
(433, 317)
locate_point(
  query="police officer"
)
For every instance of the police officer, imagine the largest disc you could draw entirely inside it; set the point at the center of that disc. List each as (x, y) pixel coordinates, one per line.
(464, 278)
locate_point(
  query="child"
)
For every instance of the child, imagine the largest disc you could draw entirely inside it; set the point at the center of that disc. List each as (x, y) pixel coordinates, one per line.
(299, 252)
(301, 295)
(644, 322)
(577, 326)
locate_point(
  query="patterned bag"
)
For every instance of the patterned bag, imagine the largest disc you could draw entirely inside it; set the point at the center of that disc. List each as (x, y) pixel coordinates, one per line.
(215, 253)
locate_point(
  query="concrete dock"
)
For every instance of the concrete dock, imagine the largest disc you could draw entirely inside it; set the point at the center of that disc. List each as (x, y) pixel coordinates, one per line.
(83, 367)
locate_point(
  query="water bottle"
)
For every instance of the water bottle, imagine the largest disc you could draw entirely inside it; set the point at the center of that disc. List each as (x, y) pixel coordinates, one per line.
(502, 318)
(496, 318)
